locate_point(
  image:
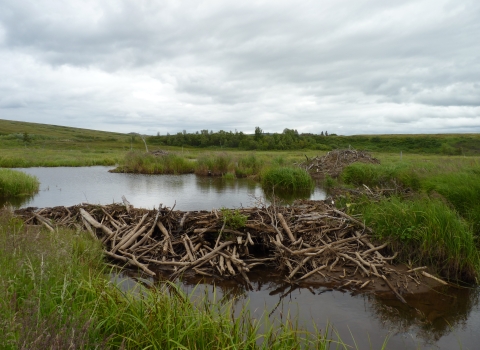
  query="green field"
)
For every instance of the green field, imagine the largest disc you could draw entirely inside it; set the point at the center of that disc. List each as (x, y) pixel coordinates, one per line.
(30, 144)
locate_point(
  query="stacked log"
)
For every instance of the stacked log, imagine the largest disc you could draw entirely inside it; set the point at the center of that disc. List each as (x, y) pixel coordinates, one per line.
(311, 238)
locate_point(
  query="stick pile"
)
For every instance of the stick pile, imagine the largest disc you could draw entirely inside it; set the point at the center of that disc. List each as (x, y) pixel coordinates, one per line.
(307, 239)
(334, 161)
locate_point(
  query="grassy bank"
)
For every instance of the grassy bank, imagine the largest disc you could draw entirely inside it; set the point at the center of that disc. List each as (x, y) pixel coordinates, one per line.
(425, 231)
(16, 183)
(146, 163)
(436, 221)
(54, 294)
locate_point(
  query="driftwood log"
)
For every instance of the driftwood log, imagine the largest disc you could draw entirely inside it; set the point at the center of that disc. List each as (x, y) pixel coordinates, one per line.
(310, 238)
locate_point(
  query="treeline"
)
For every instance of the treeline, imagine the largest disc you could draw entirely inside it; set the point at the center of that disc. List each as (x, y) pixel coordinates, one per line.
(290, 139)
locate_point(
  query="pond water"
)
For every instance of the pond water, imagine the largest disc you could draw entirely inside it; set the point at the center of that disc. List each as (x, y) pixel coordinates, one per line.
(69, 186)
(447, 318)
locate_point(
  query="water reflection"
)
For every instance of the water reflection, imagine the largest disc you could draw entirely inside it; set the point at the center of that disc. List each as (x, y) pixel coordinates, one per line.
(70, 186)
(441, 318)
(15, 202)
(430, 316)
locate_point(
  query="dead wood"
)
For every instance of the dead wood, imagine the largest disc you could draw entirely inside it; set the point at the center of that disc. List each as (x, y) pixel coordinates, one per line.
(310, 239)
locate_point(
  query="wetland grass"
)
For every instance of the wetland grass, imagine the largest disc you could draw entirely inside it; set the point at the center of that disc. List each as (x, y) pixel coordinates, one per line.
(286, 178)
(55, 294)
(440, 224)
(146, 163)
(214, 164)
(425, 231)
(15, 183)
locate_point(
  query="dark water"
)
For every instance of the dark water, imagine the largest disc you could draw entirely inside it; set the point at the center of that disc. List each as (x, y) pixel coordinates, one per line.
(448, 318)
(69, 186)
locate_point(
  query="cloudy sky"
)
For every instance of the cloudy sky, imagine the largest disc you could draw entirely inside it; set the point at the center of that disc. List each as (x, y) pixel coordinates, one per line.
(345, 66)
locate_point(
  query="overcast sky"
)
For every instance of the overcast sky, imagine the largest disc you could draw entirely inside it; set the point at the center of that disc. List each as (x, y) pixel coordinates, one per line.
(344, 66)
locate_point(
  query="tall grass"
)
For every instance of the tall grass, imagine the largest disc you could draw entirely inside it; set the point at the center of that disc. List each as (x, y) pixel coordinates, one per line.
(215, 164)
(426, 231)
(249, 165)
(381, 175)
(286, 178)
(462, 190)
(15, 183)
(456, 179)
(54, 295)
(146, 163)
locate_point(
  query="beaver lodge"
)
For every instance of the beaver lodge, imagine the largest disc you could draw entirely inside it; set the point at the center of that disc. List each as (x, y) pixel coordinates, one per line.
(309, 241)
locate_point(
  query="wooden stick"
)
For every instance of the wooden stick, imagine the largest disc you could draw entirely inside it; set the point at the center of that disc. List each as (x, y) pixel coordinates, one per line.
(417, 269)
(393, 289)
(285, 227)
(361, 224)
(128, 206)
(204, 259)
(295, 270)
(44, 222)
(95, 223)
(312, 272)
(426, 274)
(133, 260)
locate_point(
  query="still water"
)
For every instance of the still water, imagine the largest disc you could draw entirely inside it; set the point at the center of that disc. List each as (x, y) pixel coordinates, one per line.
(447, 318)
(95, 185)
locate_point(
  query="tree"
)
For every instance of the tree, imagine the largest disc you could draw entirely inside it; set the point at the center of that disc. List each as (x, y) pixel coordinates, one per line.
(26, 137)
(258, 133)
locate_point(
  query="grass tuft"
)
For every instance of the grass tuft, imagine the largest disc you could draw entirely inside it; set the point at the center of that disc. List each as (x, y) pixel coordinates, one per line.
(15, 183)
(286, 178)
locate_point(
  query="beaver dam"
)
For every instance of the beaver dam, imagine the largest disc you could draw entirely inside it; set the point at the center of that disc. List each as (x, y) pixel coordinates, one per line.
(309, 241)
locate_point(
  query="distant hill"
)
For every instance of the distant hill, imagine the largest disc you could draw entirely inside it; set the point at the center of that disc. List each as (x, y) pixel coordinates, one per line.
(8, 127)
(15, 134)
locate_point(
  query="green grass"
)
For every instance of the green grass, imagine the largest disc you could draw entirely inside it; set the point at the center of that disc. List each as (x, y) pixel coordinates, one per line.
(380, 175)
(146, 163)
(54, 294)
(286, 178)
(425, 231)
(215, 164)
(16, 183)
(456, 179)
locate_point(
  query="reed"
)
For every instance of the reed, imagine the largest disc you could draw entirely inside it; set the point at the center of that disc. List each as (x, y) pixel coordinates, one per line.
(15, 183)
(248, 166)
(215, 164)
(425, 231)
(147, 163)
(286, 178)
(380, 175)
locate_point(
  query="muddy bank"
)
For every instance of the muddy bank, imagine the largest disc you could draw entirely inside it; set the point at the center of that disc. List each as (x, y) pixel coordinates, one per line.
(310, 242)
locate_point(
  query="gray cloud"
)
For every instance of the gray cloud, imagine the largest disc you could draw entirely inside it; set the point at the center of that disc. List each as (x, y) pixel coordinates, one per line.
(347, 66)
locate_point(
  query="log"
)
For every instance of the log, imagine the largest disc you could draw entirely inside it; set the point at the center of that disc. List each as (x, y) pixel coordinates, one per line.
(44, 222)
(285, 227)
(95, 223)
